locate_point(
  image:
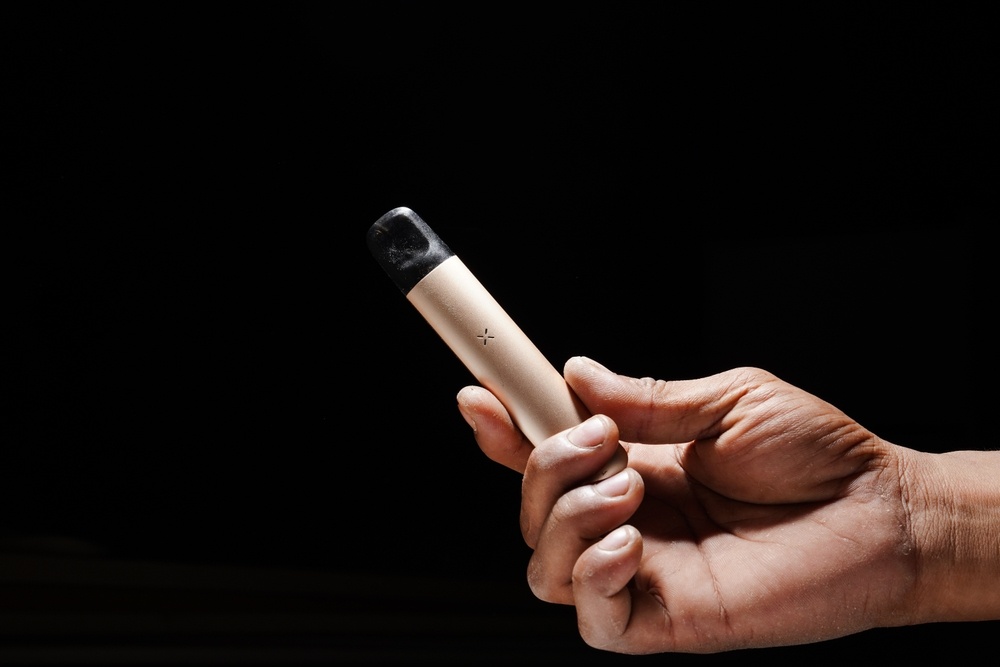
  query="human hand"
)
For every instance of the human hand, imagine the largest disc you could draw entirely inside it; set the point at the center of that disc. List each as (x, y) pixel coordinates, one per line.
(752, 513)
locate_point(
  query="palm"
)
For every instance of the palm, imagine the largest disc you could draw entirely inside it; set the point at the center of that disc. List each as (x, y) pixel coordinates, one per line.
(761, 569)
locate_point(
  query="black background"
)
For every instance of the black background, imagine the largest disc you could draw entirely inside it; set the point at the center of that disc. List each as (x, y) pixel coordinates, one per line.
(228, 437)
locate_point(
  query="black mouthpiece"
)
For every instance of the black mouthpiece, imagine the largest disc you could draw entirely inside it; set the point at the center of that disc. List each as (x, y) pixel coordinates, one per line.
(406, 247)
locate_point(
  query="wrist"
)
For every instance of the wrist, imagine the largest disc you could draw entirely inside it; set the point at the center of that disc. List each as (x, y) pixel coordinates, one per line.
(953, 503)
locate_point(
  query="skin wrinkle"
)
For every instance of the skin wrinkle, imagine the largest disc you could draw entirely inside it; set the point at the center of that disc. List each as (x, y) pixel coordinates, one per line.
(654, 389)
(723, 612)
(825, 526)
(732, 398)
(907, 500)
(926, 515)
(738, 431)
(901, 489)
(866, 603)
(621, 629)
(705, 555)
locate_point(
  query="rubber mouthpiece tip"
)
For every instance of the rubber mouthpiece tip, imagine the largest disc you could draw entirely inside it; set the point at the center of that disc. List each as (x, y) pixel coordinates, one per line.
(406, 247)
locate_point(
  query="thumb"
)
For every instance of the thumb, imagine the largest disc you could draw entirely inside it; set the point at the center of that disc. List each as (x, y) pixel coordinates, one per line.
(660, 411)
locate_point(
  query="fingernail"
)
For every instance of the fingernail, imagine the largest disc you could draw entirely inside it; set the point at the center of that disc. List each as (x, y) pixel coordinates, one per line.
(616, 539)
(615, 485)
(588, 434)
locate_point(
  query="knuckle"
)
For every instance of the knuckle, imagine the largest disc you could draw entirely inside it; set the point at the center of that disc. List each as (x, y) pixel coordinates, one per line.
(542, 586)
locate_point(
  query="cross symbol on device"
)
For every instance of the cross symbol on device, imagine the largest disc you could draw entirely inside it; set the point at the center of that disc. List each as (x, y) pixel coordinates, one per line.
(485, 336)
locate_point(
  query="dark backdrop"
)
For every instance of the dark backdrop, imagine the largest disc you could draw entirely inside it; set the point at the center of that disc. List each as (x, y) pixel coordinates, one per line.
(227, 436)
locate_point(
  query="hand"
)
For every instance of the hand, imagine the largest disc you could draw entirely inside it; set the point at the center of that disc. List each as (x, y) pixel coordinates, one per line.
(751, 514)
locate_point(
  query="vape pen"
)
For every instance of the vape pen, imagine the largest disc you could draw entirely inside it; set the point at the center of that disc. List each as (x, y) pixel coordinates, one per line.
(476, 328)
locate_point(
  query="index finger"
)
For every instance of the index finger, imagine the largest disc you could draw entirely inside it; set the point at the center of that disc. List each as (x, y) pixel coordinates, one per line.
(493, 428)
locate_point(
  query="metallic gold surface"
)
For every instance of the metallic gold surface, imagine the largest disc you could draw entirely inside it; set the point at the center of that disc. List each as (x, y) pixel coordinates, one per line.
(499, 354)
